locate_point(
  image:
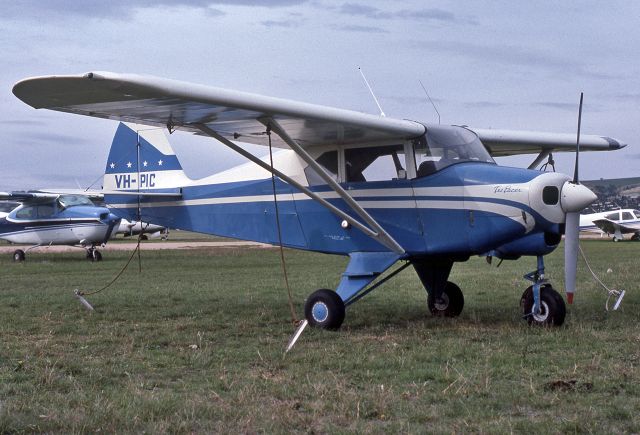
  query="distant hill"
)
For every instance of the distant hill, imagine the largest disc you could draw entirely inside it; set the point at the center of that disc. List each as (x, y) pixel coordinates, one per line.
(614, 193)
(617, 182)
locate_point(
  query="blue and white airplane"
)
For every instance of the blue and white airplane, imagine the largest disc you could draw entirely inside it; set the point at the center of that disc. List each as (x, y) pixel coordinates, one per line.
(377, 189)
(44, 219)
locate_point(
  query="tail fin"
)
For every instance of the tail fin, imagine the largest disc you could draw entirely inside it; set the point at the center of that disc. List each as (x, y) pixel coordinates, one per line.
(141, 158)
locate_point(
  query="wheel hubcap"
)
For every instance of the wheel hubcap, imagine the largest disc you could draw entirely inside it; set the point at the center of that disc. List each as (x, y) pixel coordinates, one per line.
(544, 312)
(442, 303)
(320, 312)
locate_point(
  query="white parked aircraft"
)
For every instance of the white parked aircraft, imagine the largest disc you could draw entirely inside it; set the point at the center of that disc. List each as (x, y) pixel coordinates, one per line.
(616, 222)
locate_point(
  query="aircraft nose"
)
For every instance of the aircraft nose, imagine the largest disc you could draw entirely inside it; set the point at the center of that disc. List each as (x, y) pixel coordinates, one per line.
(575, 197)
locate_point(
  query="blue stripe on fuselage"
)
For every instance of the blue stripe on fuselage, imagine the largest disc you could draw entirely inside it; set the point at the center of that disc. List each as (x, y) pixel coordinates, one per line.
(306, 224)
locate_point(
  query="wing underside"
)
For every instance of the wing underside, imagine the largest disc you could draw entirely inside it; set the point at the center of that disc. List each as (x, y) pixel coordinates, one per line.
(240, 116)
(234, 115)
(611, 227)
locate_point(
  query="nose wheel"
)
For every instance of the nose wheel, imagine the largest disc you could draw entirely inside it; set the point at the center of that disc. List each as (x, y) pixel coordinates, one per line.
(541, 304)
(552, 308)
(94, 255)
(18, 255)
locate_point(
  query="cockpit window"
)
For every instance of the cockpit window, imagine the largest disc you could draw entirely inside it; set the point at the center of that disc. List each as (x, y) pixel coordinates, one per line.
(67, 201)
(613, 216)
(442, 146)
(375, 163)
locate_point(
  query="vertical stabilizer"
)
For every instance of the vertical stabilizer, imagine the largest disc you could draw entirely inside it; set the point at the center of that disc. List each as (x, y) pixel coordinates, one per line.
(141, 159)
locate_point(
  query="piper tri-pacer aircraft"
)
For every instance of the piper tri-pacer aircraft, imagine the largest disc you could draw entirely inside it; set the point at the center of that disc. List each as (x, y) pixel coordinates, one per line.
(616, 222)
(377, 189)
(44, 219)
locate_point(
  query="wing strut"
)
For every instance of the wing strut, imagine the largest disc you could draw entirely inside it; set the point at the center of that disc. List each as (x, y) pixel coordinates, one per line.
(392, 245)
(380, 234)
(543, 155)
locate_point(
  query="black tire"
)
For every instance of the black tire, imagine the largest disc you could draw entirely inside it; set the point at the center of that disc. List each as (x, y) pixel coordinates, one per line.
(324, 309)
(18, 255)
(96, 256)
(553, 308)
(635, 237)
(451, 303)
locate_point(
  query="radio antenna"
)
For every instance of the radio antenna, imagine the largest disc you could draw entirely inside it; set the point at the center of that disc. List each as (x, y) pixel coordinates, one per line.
(429, 97)
(371, 90)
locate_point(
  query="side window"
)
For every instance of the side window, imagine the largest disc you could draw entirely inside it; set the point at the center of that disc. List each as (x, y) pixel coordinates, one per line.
(45, 211)
(613, 216)
(329, 161)
(626, 216)
(29, 212)
(375, 163)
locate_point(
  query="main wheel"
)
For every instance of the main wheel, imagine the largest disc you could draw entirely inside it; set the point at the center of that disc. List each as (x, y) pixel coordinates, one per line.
(450, 304)
(18, 255)
(96, 255)
(635, 237)
(324, 309)
(552, 307)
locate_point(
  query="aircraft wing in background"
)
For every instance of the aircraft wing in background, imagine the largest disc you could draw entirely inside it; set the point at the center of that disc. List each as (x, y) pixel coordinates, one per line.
(612, 227)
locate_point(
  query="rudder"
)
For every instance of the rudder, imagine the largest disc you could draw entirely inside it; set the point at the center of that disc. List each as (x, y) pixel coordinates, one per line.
(141, 158)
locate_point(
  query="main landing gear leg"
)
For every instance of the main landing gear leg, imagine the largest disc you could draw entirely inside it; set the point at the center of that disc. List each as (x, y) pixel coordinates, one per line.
(541, 304)
(444, 298)
(326, 309)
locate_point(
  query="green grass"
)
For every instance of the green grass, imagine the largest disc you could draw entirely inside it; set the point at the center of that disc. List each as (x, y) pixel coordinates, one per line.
(195, 343)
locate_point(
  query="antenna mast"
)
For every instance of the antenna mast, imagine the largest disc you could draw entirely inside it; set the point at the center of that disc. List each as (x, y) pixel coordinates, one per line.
(371, 90)
(429, 97)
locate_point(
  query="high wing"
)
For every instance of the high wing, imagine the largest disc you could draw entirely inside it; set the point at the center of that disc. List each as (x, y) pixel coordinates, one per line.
(611, 227)
(240, 116)
(28, 197)
(507, 142)
(180, 105)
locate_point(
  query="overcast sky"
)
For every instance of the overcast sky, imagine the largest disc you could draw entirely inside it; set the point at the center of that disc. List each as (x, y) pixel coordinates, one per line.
(489, 64)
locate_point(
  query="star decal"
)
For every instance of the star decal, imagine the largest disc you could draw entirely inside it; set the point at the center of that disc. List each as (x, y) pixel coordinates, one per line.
(128, 164)
(159, 162)
(144, 163)
(112, 165)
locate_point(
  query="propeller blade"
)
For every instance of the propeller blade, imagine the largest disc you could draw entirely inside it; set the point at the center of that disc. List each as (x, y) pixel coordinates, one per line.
(572, 228)
(576, 180)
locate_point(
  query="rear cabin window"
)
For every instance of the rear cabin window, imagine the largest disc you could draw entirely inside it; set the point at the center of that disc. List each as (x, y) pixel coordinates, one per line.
(380, 163)
(36, 211)
(627, 216)
(329, 161)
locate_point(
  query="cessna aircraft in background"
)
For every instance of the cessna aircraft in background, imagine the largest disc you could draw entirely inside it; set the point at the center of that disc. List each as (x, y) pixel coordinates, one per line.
(377, 189)
(616, 222)
(43, 219)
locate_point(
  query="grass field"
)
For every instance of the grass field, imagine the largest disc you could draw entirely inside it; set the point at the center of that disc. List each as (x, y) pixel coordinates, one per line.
(194, 343)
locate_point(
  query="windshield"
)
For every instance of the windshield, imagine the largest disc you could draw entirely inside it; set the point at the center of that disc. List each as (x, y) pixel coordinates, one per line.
(66, 201)
(442, 146)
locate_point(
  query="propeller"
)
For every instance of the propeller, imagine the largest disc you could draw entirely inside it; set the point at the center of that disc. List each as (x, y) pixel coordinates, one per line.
(575, 197)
